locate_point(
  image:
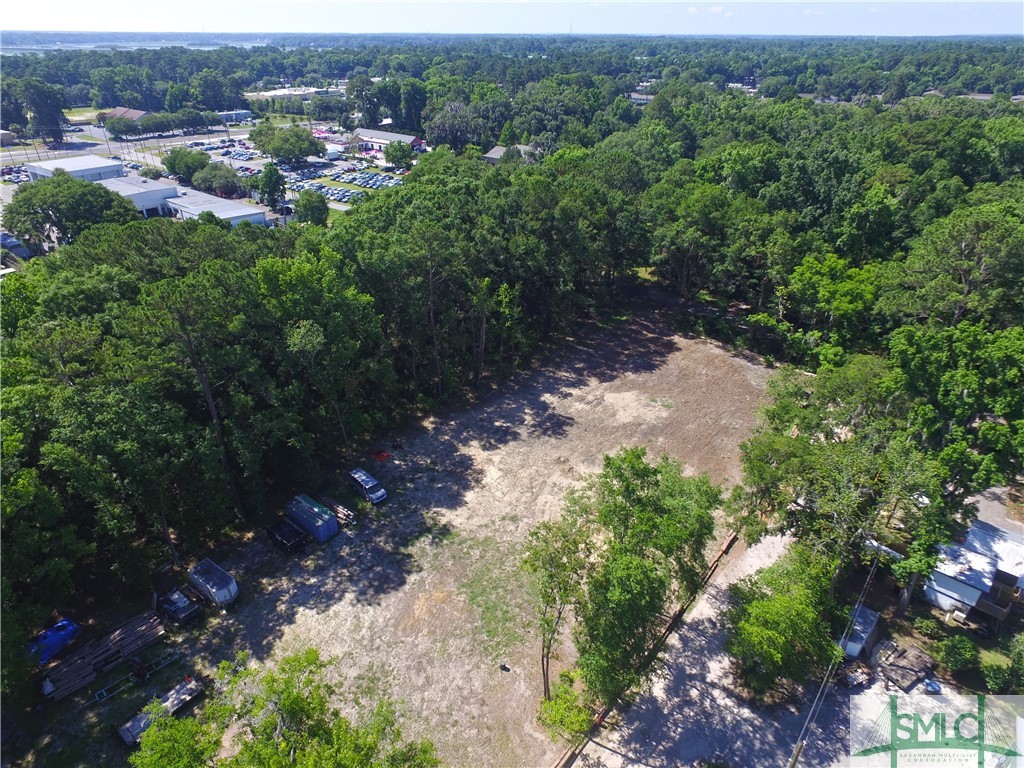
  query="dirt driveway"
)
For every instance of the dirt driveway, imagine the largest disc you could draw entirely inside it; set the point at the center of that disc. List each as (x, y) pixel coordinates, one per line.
(692, 713)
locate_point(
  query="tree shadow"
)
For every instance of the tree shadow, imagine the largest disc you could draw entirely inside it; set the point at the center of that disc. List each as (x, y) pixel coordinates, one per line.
(695, 713)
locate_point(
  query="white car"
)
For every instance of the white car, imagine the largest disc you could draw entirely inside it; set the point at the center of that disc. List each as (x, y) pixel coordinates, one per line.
(368, 486)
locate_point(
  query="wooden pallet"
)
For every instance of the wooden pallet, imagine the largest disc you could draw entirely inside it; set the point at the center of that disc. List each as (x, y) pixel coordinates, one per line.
(84, 665)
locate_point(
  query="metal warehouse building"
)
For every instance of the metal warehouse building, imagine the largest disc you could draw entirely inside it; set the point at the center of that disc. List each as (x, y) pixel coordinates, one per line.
(87, 167)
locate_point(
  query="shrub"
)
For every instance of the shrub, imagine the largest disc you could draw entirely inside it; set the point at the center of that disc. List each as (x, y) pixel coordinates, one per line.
(997, 677)
(927, 626)
(564, 715)
(958, 653)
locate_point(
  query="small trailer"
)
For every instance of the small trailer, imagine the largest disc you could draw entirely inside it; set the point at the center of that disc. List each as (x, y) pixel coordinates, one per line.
(213, 582)
(312, 517)
(131, 732)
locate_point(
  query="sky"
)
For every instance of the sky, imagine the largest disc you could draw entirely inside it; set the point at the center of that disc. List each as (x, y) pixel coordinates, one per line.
(662, 17)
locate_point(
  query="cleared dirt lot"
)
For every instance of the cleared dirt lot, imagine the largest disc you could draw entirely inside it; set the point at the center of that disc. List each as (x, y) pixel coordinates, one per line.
(426, 599)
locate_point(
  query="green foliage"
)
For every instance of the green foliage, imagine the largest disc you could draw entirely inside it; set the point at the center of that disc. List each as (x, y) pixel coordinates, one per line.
(217, 178)
(631, 539)
(185, 163)
(958, 653)
(398, 154)
(286, 145)
(775, 627)
(150, 172)
(282, 717)
(172, 742)
(271, 185)
(311, 207)
(59, 209)
(927, 626)
(564, 715)
(1007, 679)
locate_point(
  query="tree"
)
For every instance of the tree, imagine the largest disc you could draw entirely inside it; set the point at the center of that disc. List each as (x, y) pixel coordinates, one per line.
(558, 554)
(58, 209)
(398, 154)
(312, 207)
(270, 186)
(631, 538)
(185, 163)
(775, 625)
(216, 177)
(44, 103)
(281, 717)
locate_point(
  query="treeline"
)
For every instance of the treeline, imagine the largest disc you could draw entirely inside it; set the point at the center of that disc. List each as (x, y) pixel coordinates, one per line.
(845, 68)
(162, 378)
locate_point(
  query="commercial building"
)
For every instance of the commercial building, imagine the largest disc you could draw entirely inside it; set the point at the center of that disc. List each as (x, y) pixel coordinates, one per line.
(124, 112)
(6, 138)
(149, 197)
(87, 167)
(189, 203)
(156, 198)
(377, 140)
(235, 115)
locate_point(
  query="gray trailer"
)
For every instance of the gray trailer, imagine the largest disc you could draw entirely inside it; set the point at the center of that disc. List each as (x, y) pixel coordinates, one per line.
(213, 582)
(131, 732)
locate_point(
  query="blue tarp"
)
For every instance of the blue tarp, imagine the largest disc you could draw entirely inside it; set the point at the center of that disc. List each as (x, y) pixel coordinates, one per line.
(54, 640)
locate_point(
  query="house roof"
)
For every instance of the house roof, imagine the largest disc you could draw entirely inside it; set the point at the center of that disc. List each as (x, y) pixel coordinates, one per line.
(1003, 547)
(966, 566)
(126, 113)
(387, 136)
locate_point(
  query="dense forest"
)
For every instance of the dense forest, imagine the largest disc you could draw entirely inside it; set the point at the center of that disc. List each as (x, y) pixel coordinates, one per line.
(163, 379)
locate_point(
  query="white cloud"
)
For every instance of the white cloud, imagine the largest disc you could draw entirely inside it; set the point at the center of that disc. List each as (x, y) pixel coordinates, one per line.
(810, 12)
(717, 8)
(693, 10)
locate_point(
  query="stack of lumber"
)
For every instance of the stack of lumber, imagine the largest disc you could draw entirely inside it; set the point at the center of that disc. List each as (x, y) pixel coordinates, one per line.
(344, 514)
(81, 668)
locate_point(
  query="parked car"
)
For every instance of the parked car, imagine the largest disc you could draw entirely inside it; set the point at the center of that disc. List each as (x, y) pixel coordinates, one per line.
(179, 607)
(286, 536)
(367, 486)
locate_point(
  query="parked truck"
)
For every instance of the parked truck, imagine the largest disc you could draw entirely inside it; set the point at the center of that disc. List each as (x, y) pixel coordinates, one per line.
(213, 582)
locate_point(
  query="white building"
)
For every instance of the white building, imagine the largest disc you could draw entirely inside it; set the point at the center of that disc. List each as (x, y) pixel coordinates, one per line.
(377, 140)
(87, 167)
(189, 203)
(149, 197)
(156, 198)
(985, 573)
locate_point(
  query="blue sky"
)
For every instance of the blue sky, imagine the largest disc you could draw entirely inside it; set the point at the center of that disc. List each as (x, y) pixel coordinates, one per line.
(669, 17)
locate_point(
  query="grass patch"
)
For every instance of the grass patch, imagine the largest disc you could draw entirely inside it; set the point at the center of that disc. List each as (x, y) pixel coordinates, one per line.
(497, 589)
(333, 215)
(81, 113)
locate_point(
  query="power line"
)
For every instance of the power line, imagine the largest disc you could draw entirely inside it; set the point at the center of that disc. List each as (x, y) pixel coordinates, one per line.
(819, 699)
